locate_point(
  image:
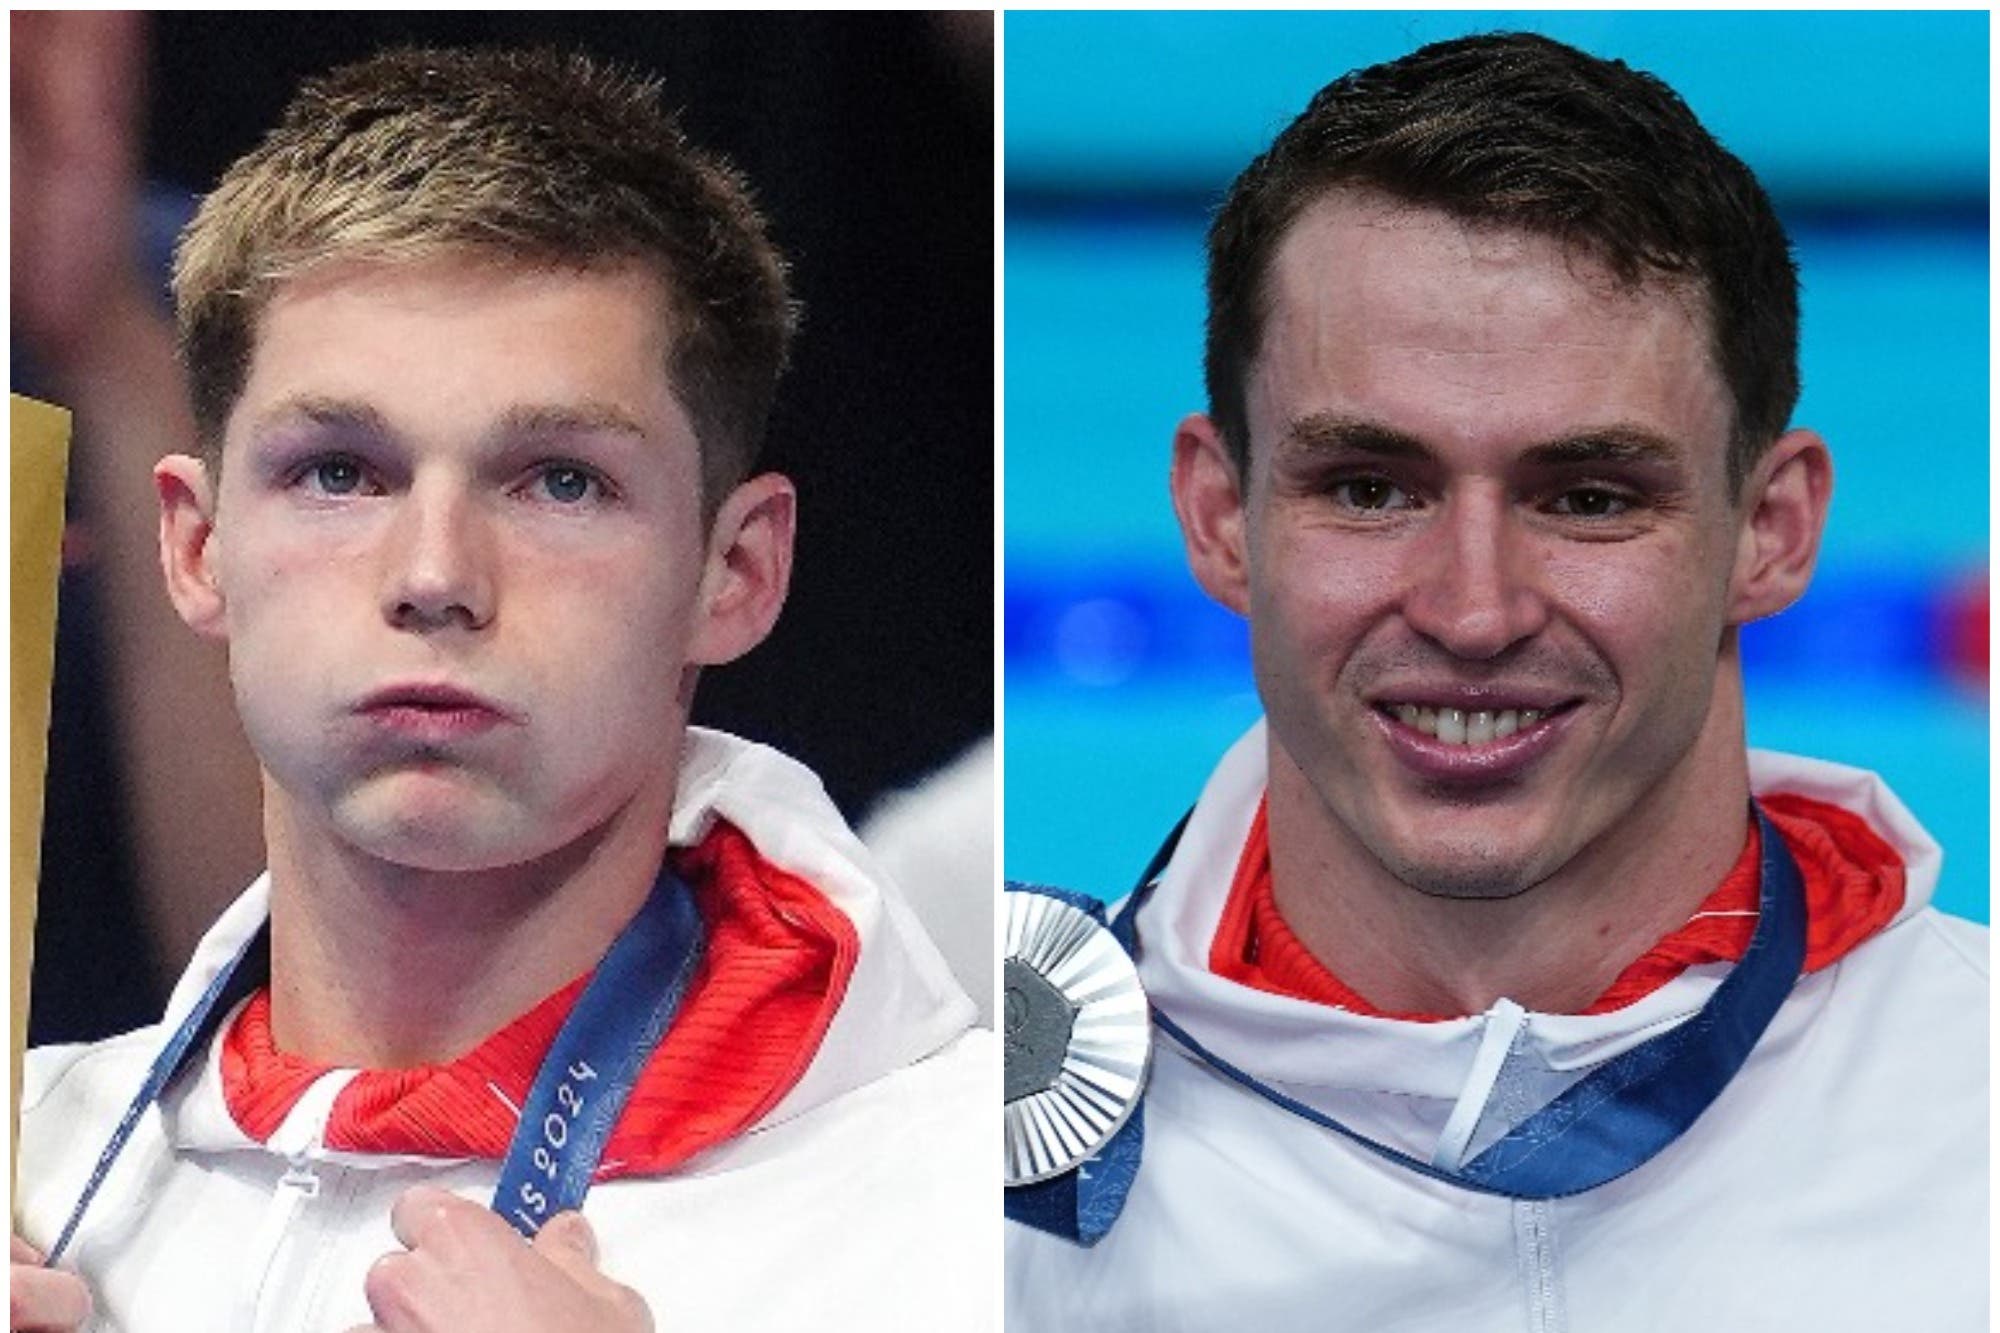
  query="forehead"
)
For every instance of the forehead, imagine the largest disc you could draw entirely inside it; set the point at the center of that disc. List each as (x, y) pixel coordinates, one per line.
(1474, 338)
(464, 333)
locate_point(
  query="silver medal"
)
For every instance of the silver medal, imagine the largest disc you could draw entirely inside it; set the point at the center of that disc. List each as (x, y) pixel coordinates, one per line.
(1077, 1036)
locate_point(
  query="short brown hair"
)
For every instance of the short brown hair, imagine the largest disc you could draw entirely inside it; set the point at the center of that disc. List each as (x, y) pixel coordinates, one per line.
(535, 156)
(1522, 131)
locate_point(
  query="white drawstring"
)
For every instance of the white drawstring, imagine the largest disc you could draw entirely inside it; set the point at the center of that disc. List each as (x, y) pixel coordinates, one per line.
(1504, 1022)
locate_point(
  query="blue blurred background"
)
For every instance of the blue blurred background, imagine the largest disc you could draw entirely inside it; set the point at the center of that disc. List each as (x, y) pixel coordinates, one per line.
(1124, 684)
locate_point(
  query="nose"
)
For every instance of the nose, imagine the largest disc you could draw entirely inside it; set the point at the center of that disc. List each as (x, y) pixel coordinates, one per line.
(1475, 585)
(437, 568)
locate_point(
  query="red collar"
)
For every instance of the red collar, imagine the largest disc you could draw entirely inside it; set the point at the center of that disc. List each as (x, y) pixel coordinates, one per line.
(778, 959)
(1853, 880)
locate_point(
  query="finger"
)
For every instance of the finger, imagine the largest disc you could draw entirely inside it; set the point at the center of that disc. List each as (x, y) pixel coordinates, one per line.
(393, 1290)
(24, 1253)
(568, 1241)
(423, 1214)
(45, 1298)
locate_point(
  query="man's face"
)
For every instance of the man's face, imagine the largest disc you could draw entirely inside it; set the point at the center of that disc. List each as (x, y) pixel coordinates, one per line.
(459, 548)
(1488, 541)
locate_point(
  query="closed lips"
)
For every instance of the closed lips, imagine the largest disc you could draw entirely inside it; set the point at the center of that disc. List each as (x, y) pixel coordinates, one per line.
(439, 698)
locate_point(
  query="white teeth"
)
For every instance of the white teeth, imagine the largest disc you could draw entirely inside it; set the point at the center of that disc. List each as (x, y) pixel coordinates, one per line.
(1457, 726)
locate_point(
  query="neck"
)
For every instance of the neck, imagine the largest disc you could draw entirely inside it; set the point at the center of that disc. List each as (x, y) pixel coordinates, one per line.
(376, 965)
(1553, 947)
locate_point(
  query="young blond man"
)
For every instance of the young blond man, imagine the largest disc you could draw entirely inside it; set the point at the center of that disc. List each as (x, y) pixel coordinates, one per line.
(481, 354)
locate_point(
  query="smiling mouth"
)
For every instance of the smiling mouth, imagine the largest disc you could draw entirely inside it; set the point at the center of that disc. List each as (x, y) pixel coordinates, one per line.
(1469, 727)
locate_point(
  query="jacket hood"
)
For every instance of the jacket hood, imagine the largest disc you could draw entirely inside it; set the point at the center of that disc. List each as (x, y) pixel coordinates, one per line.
(900, 1002)
(1321, 1054)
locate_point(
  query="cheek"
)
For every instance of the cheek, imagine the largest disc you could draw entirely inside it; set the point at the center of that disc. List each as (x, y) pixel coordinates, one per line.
(623, 644)
(1616, 599)
(1322, 589)
(1315, 602)
(272, 562)
(1653, 614)
(286, 593)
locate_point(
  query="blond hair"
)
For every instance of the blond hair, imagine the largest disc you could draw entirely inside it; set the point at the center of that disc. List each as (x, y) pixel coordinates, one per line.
(532, 156)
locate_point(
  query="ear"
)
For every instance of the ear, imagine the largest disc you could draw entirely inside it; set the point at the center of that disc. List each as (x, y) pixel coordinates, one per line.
(1208, 500)
(188, 542)
(1782, 513)
(747, 570)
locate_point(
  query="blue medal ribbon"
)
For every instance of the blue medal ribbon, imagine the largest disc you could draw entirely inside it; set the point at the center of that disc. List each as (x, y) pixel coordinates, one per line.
(581, 1087)
(595, 1060)
(249, 969)
(1613, 1121)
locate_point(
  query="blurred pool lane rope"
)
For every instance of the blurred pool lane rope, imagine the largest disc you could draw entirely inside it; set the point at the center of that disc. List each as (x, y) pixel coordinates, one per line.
(1098, 625)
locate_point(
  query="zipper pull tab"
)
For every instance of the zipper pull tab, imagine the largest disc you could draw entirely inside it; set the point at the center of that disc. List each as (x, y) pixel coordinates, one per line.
(300, 1175)
(302, 1133)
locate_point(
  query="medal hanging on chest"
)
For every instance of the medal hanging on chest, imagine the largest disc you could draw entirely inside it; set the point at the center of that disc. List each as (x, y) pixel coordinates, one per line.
(1614, 1120)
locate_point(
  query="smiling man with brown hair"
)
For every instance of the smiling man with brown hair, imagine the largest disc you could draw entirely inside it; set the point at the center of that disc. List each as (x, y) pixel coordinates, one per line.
(1495, 984)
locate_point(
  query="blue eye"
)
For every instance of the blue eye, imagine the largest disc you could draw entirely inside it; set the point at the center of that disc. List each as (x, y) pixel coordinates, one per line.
(334, 476)
(567, 485)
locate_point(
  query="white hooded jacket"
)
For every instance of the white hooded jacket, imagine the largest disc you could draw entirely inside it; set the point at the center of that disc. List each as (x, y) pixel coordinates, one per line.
(1838, 1182)
(862, 1199)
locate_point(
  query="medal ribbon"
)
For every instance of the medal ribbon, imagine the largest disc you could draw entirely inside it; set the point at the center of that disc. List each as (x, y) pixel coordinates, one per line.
(247, 971)
(596, 1058)
(1620, 1115)
(582, 1085)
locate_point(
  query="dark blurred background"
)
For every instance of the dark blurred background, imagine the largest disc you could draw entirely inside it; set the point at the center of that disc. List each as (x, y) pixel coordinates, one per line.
(868, 140)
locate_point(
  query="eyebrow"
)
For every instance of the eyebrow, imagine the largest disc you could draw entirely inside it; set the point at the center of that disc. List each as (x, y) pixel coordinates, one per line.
(1340, 433)
(350, 417)
(567, 419)
(1610, 444)
(336, 414)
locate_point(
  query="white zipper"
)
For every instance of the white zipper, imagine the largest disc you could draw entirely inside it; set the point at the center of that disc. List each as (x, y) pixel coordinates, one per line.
(1493, 1090)
(301, 1141)
(1535, 1252)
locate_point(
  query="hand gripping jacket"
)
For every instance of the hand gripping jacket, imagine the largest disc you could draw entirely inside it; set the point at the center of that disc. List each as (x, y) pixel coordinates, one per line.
(862, 1195)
